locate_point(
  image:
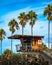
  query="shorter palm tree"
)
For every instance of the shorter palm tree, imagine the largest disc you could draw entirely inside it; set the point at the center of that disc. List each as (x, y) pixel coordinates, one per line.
(2, 36)
(13, 24)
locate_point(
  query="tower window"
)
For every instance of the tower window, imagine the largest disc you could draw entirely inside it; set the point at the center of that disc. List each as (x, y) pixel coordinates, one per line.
(34, 43)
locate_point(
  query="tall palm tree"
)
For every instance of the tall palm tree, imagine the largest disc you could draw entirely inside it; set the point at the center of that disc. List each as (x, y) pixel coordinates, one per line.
(2, 36)
(32, 17)
(48, 13)
(13, 24)
(23, 19)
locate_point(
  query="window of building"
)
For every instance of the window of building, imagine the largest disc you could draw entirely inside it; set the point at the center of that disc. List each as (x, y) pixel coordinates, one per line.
(34, 43)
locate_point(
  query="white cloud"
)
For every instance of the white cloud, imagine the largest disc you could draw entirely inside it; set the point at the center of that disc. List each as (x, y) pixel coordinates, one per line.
(39, 28)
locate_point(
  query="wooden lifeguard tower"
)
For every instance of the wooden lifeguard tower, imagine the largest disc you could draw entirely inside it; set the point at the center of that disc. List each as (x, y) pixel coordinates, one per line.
(28, 42)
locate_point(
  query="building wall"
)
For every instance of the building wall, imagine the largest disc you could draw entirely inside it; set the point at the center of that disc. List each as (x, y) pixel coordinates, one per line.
(36, 45)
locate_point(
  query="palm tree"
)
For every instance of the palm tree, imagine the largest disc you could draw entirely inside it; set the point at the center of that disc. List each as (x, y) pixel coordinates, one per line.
(23, 19)
(32, 17)
(13, 24)
(2, 36)
(48, 13)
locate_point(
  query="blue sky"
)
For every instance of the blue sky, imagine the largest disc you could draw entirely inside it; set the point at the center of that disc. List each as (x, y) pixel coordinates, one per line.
(10, 9)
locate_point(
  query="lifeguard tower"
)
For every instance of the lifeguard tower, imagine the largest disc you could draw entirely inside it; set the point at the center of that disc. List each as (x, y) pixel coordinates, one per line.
(28, 42)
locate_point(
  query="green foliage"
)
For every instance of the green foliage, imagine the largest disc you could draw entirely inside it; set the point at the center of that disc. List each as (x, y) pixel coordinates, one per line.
(13, 24)
(46, 63)
(7, 51)
(12, 29)
(23, 19)
(2, 34)
(32, 16)
(48, 11)
(44, 46)
(4, 57)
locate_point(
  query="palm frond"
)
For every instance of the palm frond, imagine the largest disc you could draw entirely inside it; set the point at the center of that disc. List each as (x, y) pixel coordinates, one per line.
(48, 10)
(23, 18)
(13, 23)
(2, 34)
(12, 29)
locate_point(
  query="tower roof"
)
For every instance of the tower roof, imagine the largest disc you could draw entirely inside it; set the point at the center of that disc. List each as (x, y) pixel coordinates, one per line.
(24, 37)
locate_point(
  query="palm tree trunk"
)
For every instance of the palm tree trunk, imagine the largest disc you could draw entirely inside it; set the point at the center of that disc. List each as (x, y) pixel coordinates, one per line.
(32, 30)
(1, 47)
(22, 30)
(22, 41)
(22, 34)
(11, 42)
(11, 50)
(49, 34)
(1, 51)
(32, 35)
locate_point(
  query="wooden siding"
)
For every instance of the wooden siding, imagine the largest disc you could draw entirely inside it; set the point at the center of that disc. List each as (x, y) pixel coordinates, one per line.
(36, 46)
